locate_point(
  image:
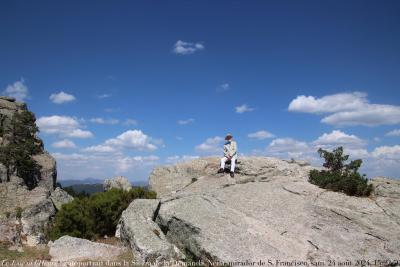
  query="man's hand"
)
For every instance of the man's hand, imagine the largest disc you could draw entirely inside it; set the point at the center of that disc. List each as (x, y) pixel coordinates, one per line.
(229, 157)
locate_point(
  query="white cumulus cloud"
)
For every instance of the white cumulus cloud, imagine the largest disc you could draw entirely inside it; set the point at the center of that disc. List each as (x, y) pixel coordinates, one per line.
(261, 135)
(292, 148)
(339, 138)
(370, 115)
(18, 90)
(390, 152)
(288, 148)
(99, 149)
(62, 125)
(131, 140)
(186, 48)
(57, 124)
(329, 103)
(126, 163)
(65, 143)
(104, 121)
(61, 97)
(78, 133)
(243, 108)
(212, 145)
(347, 109)
(395, 132)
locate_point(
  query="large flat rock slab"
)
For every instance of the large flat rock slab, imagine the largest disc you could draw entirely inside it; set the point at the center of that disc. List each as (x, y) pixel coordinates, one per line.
(201, 174)
(271, 211)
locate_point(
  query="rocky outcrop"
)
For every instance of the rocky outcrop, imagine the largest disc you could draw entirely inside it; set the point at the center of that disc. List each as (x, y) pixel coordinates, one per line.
(48, 170)
(24, 213)
(8, 106)
(119, 182)
(268, 211)
(60, 197)
(35, 220)
(68, 248)
(139, 231)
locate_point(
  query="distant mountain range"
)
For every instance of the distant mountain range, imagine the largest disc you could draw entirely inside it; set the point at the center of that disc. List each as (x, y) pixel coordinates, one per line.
(89, 180)
(91, 185)
(86, 188)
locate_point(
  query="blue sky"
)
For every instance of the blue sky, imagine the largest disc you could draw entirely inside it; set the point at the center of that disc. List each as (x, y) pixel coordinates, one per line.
(120, 87)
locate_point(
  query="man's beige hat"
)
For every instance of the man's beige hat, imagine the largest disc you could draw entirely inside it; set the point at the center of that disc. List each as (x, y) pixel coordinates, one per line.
(228, 136)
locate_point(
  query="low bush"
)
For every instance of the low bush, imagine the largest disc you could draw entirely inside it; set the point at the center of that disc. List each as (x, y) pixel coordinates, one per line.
(96, 215)
(339, 176)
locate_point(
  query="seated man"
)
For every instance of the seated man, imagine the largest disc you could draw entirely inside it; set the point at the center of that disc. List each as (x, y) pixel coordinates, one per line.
(230, 153)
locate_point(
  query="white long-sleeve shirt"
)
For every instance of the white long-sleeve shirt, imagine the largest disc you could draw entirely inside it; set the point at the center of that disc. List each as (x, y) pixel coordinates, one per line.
(230, 148)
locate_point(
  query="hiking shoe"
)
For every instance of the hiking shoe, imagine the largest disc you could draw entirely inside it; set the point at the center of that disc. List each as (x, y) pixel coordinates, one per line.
(221, 170)
(232, 174)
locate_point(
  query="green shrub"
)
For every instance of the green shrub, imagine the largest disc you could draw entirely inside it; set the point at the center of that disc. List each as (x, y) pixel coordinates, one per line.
(339, 176)
(96, 215)
(74, 220)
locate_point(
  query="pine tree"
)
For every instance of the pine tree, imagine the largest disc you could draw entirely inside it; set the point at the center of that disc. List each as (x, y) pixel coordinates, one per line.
(341, 176)
(21, 145)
